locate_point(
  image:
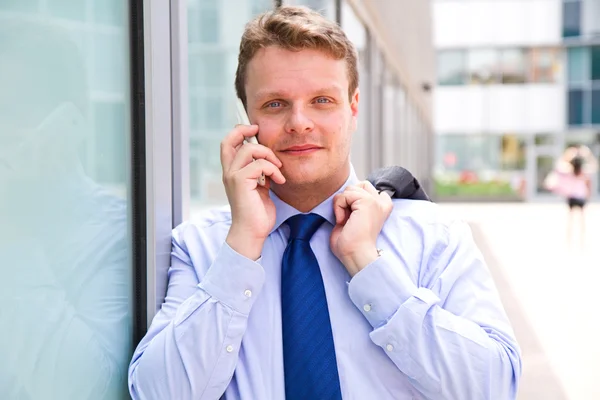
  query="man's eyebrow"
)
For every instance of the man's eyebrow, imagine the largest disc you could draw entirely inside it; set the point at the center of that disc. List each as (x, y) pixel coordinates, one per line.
(274, 94)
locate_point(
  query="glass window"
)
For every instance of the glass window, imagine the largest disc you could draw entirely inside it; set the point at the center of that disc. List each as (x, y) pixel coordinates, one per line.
(20, 5)
(483, 66)
(259, 6)
(451, 67)
(545, 65)
(479, 165)
(513, 64)
(325, 7)
(544, 139)
(213, 41)
(591, 18)
(571, 19)
(576, 107)
(513, 152)
(65, 238)
(108, 12)
(595, 58)
(74, 10)
(578, 64)
(596, 106)
(203, 21)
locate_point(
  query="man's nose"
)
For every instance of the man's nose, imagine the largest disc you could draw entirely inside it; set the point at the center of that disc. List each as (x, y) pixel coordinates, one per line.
(299, 121)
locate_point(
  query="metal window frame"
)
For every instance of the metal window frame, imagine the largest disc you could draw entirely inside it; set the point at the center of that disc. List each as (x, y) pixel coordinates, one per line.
(138, 169)
(159, 125)
(180, 112)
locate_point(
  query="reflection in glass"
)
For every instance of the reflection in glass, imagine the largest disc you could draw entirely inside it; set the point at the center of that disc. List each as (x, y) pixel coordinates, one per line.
(571, 19)
(65, 245)
(325, 7)
(451, 67)
(591, 18)
(480, 165)
(578, 64)
(576, 108)
(596, 106)
(595, 60)
(513, 154)
(545, 65)
(544, 165)
(513, 64)
(483, 66)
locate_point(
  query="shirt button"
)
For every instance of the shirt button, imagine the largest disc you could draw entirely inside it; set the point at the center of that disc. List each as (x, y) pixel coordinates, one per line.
(248, 293)
(367, 307)
(389, 347)
(229, 348)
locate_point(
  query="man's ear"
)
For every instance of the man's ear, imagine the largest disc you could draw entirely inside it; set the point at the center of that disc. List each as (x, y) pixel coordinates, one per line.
(354, 101)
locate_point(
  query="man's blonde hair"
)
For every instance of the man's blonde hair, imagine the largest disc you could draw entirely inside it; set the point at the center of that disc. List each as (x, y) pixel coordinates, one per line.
(295, 28)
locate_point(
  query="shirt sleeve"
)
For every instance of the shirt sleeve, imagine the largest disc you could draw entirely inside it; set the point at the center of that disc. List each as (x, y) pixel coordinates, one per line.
(451, 337)
(191, 348)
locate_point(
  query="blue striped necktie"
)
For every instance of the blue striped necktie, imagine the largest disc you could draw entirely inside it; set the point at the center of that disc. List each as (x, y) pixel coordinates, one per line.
(310, 367)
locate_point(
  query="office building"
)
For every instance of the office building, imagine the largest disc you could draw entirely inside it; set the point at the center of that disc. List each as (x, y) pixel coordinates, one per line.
(516, 84)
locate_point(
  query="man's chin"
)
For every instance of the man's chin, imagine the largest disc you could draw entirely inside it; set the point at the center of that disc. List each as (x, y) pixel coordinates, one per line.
(300, 180)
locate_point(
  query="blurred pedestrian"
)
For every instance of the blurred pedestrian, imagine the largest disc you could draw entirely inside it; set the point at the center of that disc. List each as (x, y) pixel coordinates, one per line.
(571, 180)
(577, 190)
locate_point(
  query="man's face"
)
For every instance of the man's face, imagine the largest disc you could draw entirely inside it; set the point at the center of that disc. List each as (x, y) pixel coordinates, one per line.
(300, 102)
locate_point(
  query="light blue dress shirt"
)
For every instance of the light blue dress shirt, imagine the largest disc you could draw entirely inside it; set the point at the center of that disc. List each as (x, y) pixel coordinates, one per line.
(424, 321)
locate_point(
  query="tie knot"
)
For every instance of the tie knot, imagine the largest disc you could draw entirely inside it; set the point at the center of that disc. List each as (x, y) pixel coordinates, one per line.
(303, 226)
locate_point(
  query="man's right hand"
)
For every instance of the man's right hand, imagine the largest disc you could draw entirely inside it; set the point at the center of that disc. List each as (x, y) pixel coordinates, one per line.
(252, 210)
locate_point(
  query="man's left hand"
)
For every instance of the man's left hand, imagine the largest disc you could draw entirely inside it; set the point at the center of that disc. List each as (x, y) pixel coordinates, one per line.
(360, 212)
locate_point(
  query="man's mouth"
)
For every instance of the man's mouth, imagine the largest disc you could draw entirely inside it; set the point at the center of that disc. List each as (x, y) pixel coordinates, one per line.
(302, 150)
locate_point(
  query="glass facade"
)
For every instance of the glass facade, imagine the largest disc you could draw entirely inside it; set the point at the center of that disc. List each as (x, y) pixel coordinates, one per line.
(512, 65)
(452, 67)
(584, 83)
(65, 203)
(572, 19)
(581, 19)
(480, 165)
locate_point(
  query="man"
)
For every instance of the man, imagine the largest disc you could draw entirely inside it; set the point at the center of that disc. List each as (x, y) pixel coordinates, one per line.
(400, 305)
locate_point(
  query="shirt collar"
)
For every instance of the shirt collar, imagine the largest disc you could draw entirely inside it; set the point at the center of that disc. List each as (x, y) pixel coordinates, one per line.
(325, 209)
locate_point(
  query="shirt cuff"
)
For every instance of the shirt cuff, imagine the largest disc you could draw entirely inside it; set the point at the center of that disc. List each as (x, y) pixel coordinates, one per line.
(234, 280)
(380, 289)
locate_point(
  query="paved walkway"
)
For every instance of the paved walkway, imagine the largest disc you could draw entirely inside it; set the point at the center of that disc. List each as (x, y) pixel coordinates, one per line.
(550, 291)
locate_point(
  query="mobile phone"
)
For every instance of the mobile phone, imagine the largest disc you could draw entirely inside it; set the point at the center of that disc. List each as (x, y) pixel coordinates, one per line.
(243, 119)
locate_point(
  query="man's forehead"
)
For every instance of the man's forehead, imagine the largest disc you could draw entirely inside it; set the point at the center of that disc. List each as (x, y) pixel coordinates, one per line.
(284, 73)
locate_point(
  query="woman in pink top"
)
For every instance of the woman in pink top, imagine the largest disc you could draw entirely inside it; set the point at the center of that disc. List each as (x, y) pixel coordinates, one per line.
(576, 187)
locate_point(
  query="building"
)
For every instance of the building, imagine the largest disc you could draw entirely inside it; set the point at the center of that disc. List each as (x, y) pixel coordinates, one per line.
(516, 84)
(111, 114)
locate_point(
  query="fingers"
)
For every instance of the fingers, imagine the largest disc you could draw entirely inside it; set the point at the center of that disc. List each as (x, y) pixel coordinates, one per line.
(234, 141)
(366, 185)
(252, 172)
(255, 169)
(341, 208)
(354, 195)
(249, 152)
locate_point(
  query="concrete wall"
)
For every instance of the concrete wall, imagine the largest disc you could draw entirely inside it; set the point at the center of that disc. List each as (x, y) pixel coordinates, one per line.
(403, 29)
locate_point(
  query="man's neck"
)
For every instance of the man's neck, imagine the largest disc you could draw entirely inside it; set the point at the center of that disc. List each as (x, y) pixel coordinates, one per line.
(307, 196)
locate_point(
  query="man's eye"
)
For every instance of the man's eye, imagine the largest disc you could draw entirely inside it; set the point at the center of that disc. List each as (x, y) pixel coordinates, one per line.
(274, 104)
(323, 100)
